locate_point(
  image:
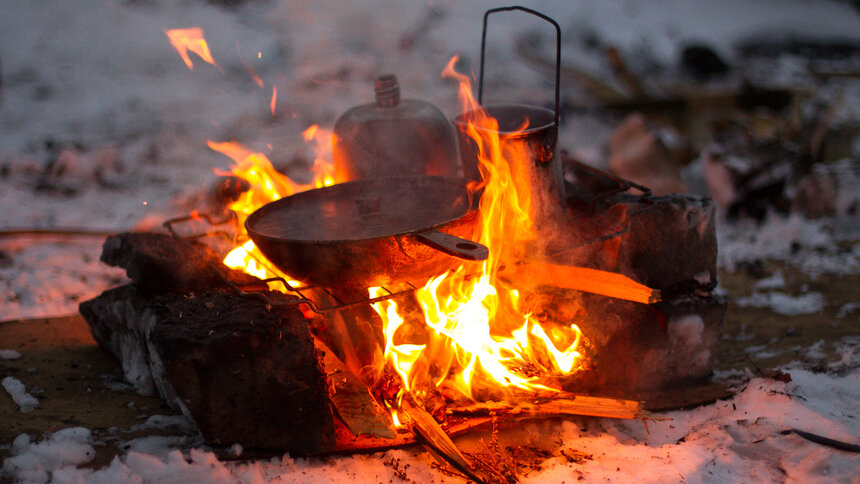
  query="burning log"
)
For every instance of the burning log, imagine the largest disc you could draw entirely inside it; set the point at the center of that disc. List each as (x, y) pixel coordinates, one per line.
(352, 400)
(594, 281)
(210, 352)
(559, 405)
(180, 331)
(159, 262)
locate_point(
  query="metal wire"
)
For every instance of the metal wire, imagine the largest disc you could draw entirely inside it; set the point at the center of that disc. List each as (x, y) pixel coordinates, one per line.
(314, 293)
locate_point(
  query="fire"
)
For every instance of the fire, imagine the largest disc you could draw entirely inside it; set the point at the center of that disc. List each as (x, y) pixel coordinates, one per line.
(483, 334)
(323, 168)
(191, 39)
(478, 334)
(267, 185)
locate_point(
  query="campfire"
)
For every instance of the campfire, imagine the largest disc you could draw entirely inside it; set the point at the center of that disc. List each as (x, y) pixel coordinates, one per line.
(569, 292)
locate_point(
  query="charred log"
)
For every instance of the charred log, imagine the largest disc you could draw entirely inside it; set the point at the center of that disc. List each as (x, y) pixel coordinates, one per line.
(160, 262)
(243, 371)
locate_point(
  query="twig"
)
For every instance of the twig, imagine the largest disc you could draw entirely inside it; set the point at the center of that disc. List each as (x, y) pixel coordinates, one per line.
(825, 441)
(424, 425)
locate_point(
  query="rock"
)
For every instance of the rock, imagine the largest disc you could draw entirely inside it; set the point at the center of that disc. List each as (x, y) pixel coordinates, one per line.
(702, 64)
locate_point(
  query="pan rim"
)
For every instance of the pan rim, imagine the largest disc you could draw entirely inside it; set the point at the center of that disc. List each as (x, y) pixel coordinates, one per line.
(262, 211)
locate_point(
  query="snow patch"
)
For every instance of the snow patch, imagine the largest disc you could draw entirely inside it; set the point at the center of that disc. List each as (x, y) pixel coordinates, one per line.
(785, 304)
(9, 355)
(774, 281)
(41, 462)
(26, 402)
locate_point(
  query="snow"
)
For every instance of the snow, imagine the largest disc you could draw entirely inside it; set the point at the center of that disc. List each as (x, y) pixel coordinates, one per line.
(809, 245)
(9, 355)
(26, 402)
(39, 462)
(746, 438)
(785, 304)
(105, 128)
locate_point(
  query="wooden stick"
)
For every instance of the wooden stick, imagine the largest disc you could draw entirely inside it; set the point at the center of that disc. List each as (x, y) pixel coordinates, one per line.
(564, 404)
(352, 400)
(592, 281)
(424, 425)
(476, 415)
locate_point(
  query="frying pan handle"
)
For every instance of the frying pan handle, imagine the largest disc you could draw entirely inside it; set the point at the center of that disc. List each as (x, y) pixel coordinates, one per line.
(453, 245)
(557, 51)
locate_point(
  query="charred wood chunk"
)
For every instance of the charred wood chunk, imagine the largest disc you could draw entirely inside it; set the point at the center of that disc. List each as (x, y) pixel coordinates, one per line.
(117, 322)
(672, 246)
(243, 370)
(667, 243)
(160, 262)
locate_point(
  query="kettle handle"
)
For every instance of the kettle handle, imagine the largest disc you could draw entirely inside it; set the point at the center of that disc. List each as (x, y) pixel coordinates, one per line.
(557, 51)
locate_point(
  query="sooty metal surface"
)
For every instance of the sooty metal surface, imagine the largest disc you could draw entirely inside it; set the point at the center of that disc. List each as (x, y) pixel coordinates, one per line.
(364, 209)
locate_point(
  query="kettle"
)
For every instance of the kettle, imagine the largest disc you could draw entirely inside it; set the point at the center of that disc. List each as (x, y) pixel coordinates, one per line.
(393, 137)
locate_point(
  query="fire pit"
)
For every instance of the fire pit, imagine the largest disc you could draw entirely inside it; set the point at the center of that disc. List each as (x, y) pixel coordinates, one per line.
(589, 285)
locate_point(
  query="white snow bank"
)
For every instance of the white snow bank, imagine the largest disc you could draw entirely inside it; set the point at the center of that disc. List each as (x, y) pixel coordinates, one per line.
(26, 402)
(739, 440)
(774, 281)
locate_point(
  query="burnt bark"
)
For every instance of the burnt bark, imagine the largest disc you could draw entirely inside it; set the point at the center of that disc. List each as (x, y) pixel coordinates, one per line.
(244, 371)
(160, 263)
(669, 244)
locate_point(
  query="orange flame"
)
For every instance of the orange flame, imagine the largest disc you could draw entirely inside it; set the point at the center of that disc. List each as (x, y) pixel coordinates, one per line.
(191, 39)
(266, 185)
(323, 168)
(483, 333)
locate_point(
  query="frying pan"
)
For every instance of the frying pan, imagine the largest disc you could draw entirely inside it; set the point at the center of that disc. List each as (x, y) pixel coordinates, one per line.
(370, 232)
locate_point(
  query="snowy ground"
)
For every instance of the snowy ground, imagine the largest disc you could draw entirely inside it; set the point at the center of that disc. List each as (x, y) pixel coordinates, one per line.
(104, 128)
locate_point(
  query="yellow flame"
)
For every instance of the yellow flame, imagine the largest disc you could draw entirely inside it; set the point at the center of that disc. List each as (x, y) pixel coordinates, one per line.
(323, 168)
(401, 356)
(191, 39)
(481, 332)
(266, 185)
(482, 337)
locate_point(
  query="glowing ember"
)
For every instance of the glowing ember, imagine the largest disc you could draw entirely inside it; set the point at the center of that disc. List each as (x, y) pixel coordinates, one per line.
(274, 99)
(191, 39)
(251, 72)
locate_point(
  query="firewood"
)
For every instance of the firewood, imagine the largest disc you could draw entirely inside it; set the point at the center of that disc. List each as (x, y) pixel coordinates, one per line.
(352, 400)
(243, 371)
(593, 281)
(423, 424)
(160, 262)
(560, 405)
